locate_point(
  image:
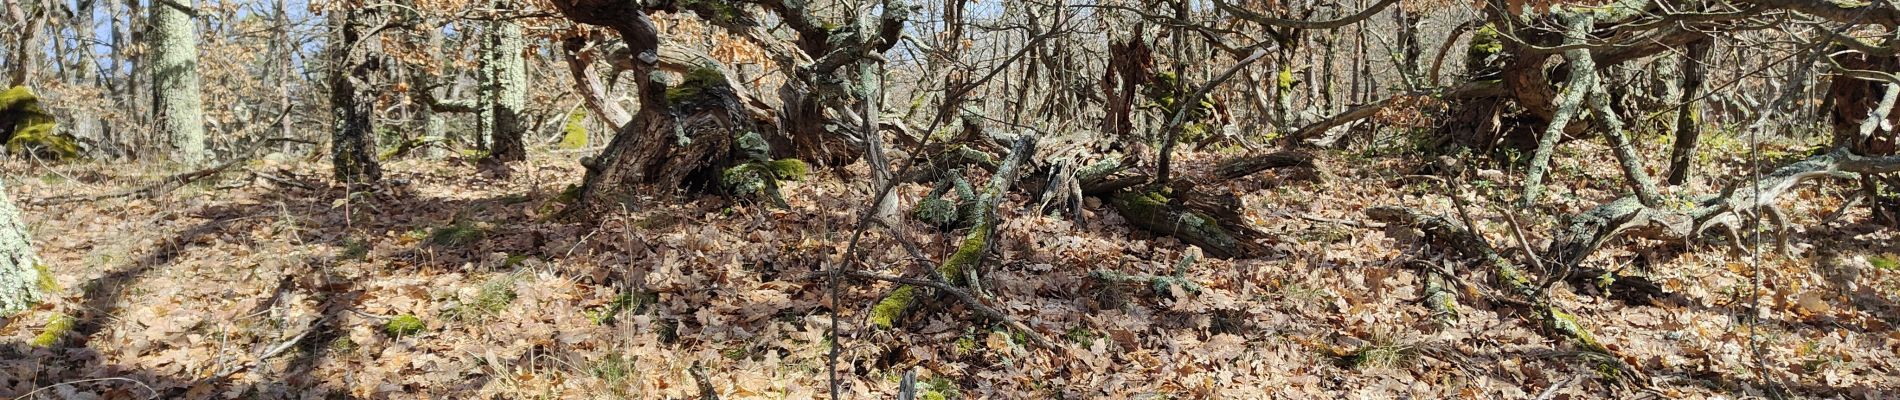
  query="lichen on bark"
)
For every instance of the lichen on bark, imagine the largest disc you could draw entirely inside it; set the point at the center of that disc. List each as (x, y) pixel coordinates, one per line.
(21, 281)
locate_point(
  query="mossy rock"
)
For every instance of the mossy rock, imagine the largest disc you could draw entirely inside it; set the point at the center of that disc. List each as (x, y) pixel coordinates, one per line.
(404, 325)
(789, 169)
(756, 179)
(748, 179)
(29, 129)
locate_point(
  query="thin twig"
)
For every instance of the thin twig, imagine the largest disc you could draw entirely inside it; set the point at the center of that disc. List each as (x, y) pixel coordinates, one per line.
(148, 388)
(272, 352)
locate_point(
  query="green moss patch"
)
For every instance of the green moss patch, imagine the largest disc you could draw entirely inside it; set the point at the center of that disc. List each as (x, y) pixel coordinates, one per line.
(30, 129)
(57, 326)
(460, 233)
(404, 325)
(574, 133)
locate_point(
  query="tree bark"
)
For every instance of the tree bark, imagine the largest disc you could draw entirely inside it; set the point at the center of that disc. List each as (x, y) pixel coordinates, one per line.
(1689, 117)
(1569, 104)
(175, 88)
(353, 140)
(22, 279)
(505, 88)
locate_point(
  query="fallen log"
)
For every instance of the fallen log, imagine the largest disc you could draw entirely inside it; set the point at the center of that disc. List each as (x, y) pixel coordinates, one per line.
(1211, 224)
(1238, 167)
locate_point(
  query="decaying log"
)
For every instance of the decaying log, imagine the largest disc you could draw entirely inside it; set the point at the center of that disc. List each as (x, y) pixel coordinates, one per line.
(956, 269)
(1235, 168)
(1211, 223)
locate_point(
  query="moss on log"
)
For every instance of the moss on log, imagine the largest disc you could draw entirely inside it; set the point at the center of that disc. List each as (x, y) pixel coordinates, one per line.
(1151, 210)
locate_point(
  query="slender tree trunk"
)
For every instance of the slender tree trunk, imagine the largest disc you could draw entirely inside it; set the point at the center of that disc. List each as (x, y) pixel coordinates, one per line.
(507, 89)
(175, 89)
(21, 282)
(1689, 117)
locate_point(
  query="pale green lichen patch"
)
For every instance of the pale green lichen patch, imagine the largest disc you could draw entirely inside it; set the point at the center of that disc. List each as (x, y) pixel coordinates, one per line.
(936, 211)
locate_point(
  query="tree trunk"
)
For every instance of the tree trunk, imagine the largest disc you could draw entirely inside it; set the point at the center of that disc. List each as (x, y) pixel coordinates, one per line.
(1689, 117)
(174, 69)
(506, 88)
(22, 279)
(353, 140)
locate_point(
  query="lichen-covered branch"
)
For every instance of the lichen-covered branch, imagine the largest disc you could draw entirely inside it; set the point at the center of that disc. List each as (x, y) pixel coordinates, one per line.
(1569, 104)
(1584, 233)
(956, 269)
(1507, 276)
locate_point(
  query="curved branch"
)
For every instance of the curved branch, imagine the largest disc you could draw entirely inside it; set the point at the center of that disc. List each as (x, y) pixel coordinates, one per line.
(1257, 18)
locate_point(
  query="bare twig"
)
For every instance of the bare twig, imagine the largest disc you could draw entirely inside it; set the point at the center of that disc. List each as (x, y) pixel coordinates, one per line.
(148, 388)
(272, 352)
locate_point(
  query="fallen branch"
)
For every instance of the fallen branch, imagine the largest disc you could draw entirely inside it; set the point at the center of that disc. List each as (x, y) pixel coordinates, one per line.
(1238, 167)
(1463, 91)
(1584, 233)
(956, 269)
(1562, 325)
(962, 295)
(173, 182)
(272, 352)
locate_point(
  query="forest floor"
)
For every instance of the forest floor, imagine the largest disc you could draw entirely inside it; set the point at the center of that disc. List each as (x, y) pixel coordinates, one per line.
(183, 293)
